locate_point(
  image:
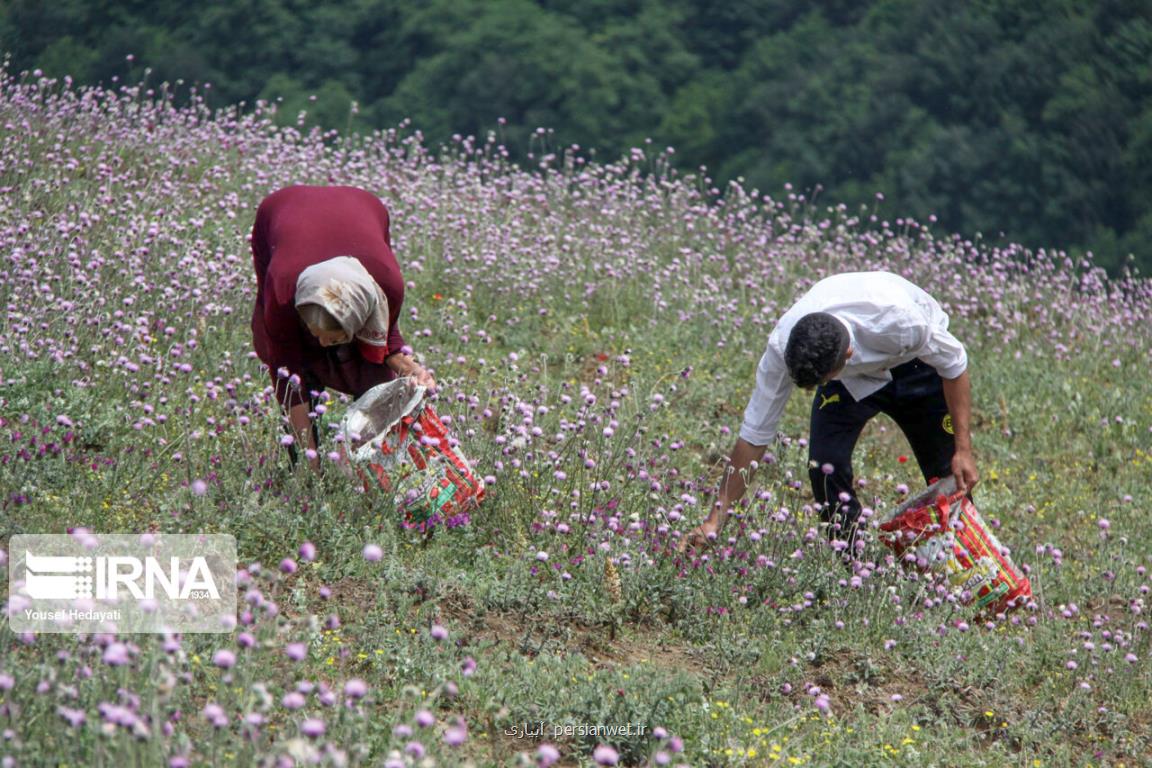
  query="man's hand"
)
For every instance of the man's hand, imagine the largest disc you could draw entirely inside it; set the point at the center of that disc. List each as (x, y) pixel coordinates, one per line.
(700, 537)
(732, 488)
(964, 470)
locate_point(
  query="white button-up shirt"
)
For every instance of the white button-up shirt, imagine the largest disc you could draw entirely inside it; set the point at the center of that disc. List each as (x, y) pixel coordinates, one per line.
(890, 321)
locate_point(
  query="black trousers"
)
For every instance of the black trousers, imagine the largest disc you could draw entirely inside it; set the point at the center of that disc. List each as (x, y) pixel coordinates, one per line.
(914, 399)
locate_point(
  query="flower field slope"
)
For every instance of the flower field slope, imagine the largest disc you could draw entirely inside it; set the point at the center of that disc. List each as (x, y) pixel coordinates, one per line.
(594, 328)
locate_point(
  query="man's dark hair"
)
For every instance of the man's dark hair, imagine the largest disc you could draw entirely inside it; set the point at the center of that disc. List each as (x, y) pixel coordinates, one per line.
(816, 347)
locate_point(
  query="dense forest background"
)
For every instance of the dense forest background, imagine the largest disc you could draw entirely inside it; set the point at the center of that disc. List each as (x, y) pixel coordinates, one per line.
(1021, 120)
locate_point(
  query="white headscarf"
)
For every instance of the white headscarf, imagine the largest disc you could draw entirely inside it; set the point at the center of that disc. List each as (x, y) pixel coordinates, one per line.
(345, 289)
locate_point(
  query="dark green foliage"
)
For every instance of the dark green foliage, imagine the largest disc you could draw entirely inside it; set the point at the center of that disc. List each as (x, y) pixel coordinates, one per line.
(1023, 120)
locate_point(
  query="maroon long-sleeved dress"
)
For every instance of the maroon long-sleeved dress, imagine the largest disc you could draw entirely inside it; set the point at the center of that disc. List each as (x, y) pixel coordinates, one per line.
(295, 228)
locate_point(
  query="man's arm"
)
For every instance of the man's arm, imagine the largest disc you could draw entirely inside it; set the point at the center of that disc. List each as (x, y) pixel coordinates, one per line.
(732, 488)
(765, 407)
(735, 482)
(947, 355)
(958, 395)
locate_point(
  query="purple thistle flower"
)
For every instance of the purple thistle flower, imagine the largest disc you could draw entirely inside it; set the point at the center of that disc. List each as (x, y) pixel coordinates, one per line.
(74, 717)
(546, 755)
(214, 714)
(455, 735)
(312, 727)
(293, 700)
(117, 655)
(605, 755)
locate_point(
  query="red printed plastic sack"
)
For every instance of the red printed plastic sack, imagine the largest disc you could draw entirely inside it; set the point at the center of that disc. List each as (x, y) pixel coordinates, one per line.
(397, 441)
(945, 533)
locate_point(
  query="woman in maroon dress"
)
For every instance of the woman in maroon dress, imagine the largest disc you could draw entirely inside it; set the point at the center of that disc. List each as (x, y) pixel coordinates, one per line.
(328, 294)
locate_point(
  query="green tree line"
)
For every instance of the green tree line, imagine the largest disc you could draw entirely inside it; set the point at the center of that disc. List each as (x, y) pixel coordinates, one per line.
(1021, 120)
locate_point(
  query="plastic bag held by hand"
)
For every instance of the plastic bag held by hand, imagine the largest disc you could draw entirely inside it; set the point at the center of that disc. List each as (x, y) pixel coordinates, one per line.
(396, 440)
(940, 530)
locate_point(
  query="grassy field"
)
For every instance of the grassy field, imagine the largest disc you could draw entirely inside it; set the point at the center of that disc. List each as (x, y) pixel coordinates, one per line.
(594, 328)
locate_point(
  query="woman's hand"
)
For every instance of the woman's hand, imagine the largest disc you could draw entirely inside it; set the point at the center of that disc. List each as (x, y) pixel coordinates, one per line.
(423, 378)
(404, 365)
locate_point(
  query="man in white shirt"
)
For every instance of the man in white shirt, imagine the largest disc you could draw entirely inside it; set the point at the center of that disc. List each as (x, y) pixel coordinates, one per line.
(868, 342)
